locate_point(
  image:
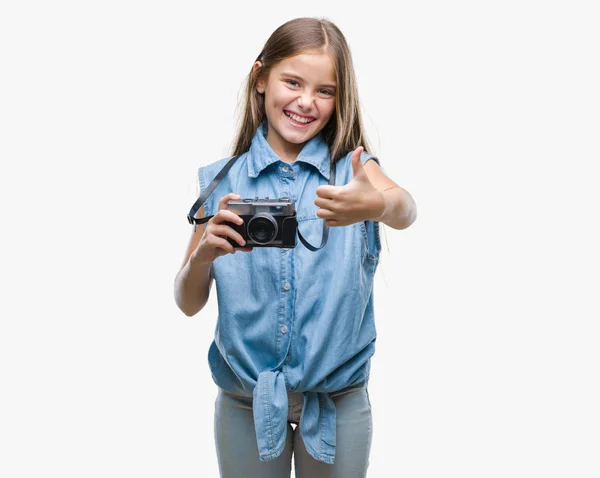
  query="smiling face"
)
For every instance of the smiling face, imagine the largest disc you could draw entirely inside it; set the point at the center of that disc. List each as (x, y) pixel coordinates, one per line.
(299, 100)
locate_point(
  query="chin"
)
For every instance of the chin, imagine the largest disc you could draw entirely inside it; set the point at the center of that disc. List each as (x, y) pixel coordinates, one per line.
(296, 139)
(301, 135)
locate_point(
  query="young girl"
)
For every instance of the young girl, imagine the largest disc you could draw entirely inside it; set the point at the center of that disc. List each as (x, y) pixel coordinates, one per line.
(295, 331)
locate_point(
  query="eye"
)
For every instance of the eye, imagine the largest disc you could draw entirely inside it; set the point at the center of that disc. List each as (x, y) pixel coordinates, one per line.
(291, 81)
(327, 92)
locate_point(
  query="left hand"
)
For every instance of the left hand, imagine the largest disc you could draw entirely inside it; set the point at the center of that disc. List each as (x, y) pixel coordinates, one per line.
(356, 201)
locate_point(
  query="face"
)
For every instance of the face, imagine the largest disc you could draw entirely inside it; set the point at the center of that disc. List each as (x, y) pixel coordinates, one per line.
(299, 100)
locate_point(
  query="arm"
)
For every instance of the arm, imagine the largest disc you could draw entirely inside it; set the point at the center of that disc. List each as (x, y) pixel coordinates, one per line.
(370, 195)
(193, 281)
(399, 210)
(208, 241)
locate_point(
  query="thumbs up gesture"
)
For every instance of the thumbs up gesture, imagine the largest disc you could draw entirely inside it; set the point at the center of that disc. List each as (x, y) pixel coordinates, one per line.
(356, 201)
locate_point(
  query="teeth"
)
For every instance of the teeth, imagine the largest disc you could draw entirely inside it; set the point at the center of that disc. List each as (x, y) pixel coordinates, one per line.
(297, 118)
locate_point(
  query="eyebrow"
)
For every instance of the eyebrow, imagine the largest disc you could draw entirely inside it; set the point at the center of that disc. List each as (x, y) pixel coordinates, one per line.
(292, 75)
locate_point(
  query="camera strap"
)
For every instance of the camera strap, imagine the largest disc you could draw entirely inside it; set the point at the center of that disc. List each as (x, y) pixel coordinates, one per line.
(207, 192)
(217, 179)
(325, 235)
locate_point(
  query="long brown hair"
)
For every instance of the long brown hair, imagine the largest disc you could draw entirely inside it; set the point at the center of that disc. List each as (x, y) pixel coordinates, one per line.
(344, 132)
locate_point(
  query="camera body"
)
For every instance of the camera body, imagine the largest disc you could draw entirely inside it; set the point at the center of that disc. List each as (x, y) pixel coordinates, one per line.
(267, 222)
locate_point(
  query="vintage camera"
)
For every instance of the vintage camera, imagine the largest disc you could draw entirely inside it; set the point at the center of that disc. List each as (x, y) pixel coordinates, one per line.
(267, 222)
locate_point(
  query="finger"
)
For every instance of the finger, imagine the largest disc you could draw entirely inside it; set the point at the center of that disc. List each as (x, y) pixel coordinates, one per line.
(326, 203)
(357, 152)
(225, 199)
(331, 222)
(224, 215)
(222, 244)
(245, 249)
(223, 230)
(326, 214)
(357, 166)
(327, 192)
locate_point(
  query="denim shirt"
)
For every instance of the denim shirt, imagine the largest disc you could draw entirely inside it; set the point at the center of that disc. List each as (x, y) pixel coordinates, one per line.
(293, 319)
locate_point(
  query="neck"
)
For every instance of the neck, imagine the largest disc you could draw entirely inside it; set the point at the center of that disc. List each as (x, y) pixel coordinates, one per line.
(287, 152)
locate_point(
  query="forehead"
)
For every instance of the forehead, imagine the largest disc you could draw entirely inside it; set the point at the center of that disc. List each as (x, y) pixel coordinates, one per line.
(313, 67)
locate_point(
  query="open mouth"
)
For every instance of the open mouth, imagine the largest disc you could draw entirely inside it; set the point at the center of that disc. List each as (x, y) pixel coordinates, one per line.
(298, 120)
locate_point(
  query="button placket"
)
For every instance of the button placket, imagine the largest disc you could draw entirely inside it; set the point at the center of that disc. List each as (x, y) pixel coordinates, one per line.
(287, 171)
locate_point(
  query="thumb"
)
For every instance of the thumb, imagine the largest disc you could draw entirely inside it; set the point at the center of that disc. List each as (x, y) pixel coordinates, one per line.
(357, 167)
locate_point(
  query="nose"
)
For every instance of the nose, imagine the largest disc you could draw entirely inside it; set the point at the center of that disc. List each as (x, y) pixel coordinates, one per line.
(305, 100)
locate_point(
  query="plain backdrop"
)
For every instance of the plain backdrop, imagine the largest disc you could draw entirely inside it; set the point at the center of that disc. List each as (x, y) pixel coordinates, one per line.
(487, 357)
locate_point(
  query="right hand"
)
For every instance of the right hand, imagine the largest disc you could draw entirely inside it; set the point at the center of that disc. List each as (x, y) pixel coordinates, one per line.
(213, 243)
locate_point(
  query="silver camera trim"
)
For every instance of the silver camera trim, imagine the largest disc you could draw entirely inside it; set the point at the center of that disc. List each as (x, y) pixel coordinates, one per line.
(247, 207)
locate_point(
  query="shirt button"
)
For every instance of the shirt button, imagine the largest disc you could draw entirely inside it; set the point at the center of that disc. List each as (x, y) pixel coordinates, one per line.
(285, 249)
(285, 169)
(284, 329)
(286, 285)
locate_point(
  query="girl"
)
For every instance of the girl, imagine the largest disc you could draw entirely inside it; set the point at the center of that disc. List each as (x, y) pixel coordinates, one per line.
(295, 331)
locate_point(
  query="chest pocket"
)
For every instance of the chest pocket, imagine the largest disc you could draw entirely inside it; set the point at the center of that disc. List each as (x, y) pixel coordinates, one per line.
(311, 227)
(362, 237)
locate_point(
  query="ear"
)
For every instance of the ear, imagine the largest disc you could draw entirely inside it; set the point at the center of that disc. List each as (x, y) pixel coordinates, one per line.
(260, 84)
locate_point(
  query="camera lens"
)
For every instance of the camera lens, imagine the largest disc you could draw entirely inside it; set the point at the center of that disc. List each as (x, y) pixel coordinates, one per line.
(262, 228)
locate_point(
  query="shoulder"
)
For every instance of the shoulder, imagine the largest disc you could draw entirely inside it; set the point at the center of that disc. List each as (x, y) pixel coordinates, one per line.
(208, 172)
(364, 157)
(343, 166)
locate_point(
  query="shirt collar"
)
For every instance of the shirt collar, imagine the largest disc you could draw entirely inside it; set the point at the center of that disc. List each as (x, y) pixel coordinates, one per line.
(315, 152)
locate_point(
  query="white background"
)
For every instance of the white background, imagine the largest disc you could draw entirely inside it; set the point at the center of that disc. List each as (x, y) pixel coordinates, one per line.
(487, 360)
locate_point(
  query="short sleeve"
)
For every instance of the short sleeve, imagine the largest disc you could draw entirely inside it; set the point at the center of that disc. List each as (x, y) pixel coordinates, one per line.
(364, 157)
(195, 189)
(201, 186)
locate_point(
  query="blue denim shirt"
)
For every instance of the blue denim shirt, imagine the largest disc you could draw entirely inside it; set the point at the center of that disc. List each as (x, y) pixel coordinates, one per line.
(292, 319)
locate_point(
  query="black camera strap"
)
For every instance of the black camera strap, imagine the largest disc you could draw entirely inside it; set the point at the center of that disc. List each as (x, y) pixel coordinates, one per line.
(207, 192)
(211, 187)
(325, 235)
